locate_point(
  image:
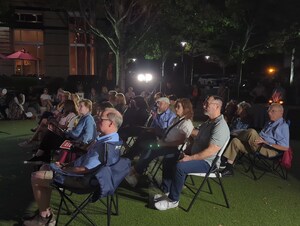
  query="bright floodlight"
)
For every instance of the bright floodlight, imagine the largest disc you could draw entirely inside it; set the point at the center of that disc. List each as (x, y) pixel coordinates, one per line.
(145, 77)
(133, 59)
(148, 77)
(141, 77)
(175, 64)
(183, 44)
(207, 57)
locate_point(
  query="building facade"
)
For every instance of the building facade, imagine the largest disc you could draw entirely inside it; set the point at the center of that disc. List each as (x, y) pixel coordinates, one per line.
(57, 38)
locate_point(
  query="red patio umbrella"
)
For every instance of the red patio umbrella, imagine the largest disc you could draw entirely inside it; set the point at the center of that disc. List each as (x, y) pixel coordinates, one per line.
(21, 55)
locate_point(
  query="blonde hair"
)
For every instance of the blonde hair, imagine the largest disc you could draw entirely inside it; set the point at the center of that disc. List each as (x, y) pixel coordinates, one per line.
(120, 98)
(88, 103)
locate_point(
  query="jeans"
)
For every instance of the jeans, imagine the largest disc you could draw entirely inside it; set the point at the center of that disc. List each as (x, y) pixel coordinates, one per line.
(175, 184)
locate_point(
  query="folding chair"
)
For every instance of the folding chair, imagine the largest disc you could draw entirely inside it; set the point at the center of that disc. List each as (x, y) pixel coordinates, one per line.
(266, 164)
(101, 182)
(213, 174)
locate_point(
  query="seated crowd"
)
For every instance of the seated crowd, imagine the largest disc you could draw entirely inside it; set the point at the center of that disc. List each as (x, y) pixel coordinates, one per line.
(160, 128)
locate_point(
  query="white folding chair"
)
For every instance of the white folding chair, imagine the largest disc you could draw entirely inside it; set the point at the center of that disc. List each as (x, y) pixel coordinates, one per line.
(213, 174)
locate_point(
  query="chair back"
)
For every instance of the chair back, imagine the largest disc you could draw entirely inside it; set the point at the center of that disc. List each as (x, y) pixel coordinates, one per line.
(219, 154)
(148, 121)
(113, 169)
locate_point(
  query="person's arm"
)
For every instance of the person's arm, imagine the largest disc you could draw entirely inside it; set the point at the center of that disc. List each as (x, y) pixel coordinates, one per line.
(72, 169)
(178, 141)
(77, 169)
(89, 131)
(275, 146)
(75, 132)
(209, 151)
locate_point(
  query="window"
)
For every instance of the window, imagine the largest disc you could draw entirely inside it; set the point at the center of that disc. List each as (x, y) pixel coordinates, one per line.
(82, 52)
(29, 17)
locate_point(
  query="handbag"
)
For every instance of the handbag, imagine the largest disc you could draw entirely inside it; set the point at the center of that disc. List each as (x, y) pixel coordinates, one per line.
(286, 160)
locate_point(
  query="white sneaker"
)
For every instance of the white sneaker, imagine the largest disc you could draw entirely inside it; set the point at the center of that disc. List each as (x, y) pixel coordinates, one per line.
(158, 197)
(166, 204)
(132, 180)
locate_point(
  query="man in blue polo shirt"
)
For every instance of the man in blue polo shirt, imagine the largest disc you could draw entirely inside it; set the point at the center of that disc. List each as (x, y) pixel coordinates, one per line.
(273, 137)
(108, 124)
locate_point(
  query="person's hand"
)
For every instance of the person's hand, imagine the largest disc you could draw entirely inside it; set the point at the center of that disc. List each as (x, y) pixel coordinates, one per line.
(50, 127)
(58, 164)
(260, 141)
(154, 114)
(186, 158)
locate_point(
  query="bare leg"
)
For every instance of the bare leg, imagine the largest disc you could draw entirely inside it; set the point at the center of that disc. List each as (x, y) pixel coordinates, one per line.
(40, 182)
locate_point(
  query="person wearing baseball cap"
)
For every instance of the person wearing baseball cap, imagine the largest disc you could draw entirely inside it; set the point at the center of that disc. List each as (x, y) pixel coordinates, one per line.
(162, 119)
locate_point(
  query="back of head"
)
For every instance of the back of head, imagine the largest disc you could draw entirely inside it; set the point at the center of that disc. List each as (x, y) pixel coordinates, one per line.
(140, 102)
(69, 107)
(115, 116)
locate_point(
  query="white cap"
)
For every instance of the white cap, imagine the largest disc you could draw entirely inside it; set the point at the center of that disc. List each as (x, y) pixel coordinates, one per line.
(4, 91)
(164, 99)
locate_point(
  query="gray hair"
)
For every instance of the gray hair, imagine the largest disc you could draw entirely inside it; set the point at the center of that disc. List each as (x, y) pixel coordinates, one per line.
(115, 116)
(278, 106)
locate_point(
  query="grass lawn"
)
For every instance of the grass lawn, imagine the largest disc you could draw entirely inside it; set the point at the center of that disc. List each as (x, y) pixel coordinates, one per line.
(268, 201)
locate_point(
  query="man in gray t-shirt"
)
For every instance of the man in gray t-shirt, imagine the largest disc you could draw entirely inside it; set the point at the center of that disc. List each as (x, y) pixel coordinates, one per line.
(209, 139)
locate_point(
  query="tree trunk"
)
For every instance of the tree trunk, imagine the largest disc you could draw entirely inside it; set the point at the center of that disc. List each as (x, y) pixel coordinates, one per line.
(240, 78)
(120, 70)
(192, 70)
(292, 66)
(163, 61)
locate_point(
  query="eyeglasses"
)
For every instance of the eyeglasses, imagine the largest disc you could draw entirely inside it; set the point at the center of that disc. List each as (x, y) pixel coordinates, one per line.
(103, 119)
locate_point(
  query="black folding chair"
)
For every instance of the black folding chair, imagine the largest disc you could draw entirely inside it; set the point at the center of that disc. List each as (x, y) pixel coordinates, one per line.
(111, 175)
(213, 174)
(266, 164)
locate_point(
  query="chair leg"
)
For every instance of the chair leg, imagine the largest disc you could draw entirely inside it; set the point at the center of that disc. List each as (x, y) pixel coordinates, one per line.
(109, 204)
(196, 194)
(78, 209)
(116, 203)
(223, 191)
(159, 163)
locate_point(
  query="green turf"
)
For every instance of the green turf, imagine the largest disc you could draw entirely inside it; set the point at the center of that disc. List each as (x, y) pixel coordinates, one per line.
(269, 201)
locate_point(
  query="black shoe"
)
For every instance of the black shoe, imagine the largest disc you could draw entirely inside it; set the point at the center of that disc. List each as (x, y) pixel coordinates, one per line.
(33, 130)
(223, 165)
(227, 172)
(38, 160)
